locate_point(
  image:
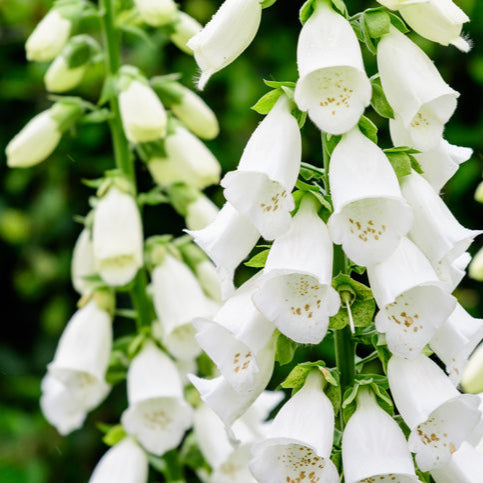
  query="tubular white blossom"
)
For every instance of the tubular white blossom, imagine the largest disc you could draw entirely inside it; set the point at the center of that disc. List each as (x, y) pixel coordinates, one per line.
(200, 213)
(209, 279)
(333, 85)
(261, 187)
(82, 356)
(415, 89)
(374, 447)
(62, 78)
(395, 4)
(472, 379)
(117, 237)
(143, 115)
(178, 298)
(184, 28)
(300, 438)
(156, 12)
(83, 262)
(412, 300)
(157, 415)
(125, 462)
(476, 266)
(228, 33)
(48, 38)
(295, 291)
(227, 241)
(455, 340)
(440, 418)
(370, 215)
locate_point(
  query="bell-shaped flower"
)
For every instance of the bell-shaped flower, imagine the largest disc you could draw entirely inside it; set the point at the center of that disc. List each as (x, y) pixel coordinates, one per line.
(440, 417)
(476, 267)
(125, 462)
(435, 230)
(415, 89)
(184, 28)
(455, 340)
(227, 241)
(370, 215)
(333, 85)
(188, 161)
(83, 262)
(117, 237)
(472, 379)
(156, 12)
(82, 355)
(412, 300)
(261, 187)
(299, 441)
(200, 213)
(143, 115)
(374, 447)
(178, 298)
(228, 33)
(295, 291)
(158, 415)
(49, 37)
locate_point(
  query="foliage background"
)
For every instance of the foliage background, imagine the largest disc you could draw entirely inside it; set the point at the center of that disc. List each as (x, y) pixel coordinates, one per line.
(37, 229)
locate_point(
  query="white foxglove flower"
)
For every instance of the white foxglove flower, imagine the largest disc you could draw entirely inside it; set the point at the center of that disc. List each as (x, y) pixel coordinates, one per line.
(125, 462)
(299, 442)
(412, 300)
(455, 340)
(465, 466)
(261, 187)
(374, 447)
(156, 12)
(117, 237)
(451, 273)
(295, 291)
(158, 415)
(435, 230)
(209, 279)
(196, 115)
(83, 262)
(228, 33)
(200, 213)
(440, 417)
(178, 298)
(227, 241)
(472, 379)
(82, 355)
(370, 215)
(184, 28)
(395, 4)
(49, 37)
(476, 266)
(440, 163)
(188, 161)
(415, 89)
(143, 115)
(333, 85)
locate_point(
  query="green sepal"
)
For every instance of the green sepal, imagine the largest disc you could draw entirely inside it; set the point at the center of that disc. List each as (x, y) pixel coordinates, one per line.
(376, 22)
(285, 350)
(384, 354)
(258, 260)
(309, 172)
(114, 435)
(368, 128)
(96, 117)
(67, 112)
(158, 464)
(168, 90)
(403, 161)
(336, 457)
(266, 102)
(279, 84)
(398, 22)
(80, 50)
(181, 195)
(137, 32)
(191, 455)
(331, 142)
(267, 3)
(379, 101)
(309, 7)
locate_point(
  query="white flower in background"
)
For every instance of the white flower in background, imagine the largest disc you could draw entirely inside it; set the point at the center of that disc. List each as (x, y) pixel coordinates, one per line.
(440, 417)
(395, 4)
(143, 115)
(209, 279)
(455, 340)
(472, 379)
(178, 298)
(479, 193)
(125, 462)
(476, 266)
(200, 213)
(412, 300)
(299, 441)
(435, 230)
(188, 161)
(196, 115)
(156, 12)
(83, 262)
(415, 89)
(437, 20)
(370, 215)
(465, 466)
(228, 33)
(295, 291)
(261, 187)
(333, 85)
(82, 356)
(158, 415)
(117, 237)
(374, 447)
(227, 241)
(184, 28)
(49, 37)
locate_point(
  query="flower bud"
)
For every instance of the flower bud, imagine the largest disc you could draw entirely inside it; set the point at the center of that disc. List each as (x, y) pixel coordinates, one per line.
(83, 262)
(200, 213)
(475, 270)
(185, 28)
(156, 12)
(479, 193)
(472, 379)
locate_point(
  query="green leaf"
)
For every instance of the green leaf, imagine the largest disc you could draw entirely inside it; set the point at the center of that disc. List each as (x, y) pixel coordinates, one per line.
(377, 22)
(296, 379)
(285, 350)
(114, 435)
(401, 163)
(267, 3)
(415, 164)
(398, 23)
(368, 128)
(331, 142)
(308, 172)
(153, 197)
(279, 84)
(138, 32)
(97, 116)
(258, 260)
(379, 101)
(266, 103)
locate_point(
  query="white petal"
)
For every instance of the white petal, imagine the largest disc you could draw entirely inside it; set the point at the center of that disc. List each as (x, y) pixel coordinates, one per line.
(476, 266)
(185, 27)
(472, 380)
(83, 262)
(235, 468)
(200, 213)
(156, 12)
(61, 78)
(209, 279)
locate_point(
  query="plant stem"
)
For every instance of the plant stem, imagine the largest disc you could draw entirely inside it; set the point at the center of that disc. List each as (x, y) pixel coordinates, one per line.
(174, 471)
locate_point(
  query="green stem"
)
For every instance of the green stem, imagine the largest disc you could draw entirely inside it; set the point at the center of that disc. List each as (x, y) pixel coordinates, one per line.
(174, 471)
(122, 153)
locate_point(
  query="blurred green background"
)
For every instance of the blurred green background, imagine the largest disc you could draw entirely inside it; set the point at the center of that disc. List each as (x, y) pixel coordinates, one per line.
(37, 206)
